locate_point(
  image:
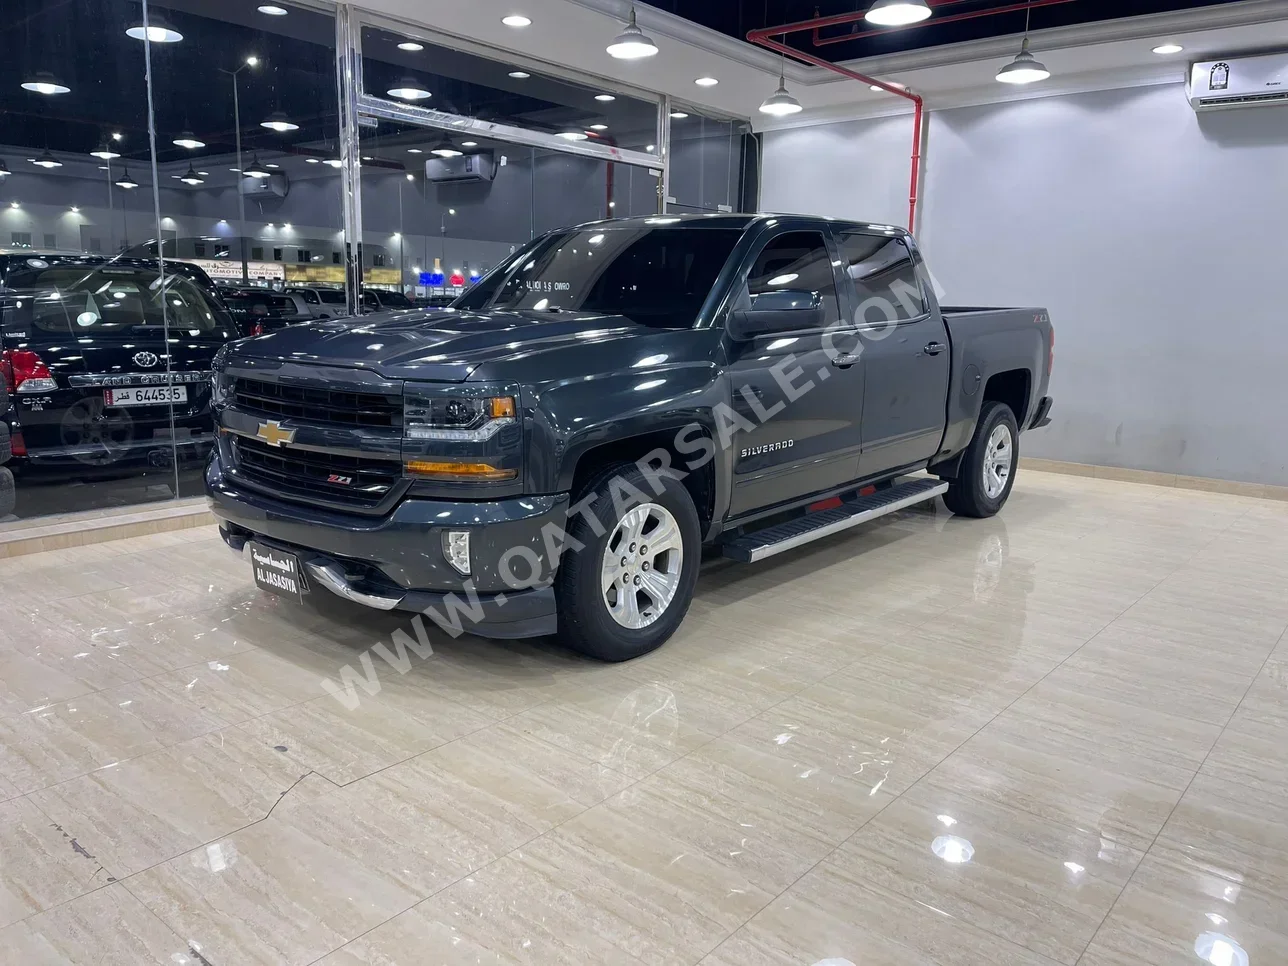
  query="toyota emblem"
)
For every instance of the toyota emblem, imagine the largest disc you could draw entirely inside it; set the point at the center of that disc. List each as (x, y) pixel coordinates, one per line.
(145, 360)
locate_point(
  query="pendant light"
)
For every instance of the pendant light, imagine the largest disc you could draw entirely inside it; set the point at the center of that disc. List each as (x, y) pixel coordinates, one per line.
(445, 149)
(1025, 68)
(4, 170)
(409, 89)
(47, 160)
(781, 103)
(188, 140)
(157, 31)
(191, 177)
(45, 83)
(125, 181)
(279, 122)
(255, 169)
(632, 43)
(897, 13)
(105, 152)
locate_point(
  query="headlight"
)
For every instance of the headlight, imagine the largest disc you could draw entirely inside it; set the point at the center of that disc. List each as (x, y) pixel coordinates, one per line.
(456, 418)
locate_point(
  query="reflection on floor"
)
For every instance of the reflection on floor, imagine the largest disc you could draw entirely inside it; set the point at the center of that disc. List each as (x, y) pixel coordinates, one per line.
(1053, 737)
(40, 495)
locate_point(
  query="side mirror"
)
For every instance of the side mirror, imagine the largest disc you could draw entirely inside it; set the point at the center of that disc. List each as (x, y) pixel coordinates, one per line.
(784, 310)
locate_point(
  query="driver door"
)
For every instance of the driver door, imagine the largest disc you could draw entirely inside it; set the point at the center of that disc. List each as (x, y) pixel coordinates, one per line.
(804, 411)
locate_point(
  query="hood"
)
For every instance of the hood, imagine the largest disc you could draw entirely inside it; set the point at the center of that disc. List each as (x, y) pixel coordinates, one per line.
(435, 344)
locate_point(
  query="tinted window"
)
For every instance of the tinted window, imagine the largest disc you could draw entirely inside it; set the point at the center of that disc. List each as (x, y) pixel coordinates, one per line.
(308, 296)
(260, 306)
(102, 300)
(881, 270)
(653, 276)
(798, 261)
(331, 296)
(395, 300)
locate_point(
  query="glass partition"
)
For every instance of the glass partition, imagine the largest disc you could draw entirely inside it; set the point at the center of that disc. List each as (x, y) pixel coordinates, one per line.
(706, 161)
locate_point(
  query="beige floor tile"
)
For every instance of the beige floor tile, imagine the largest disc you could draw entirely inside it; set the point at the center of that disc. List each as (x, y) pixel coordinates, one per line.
(831, 916)
(62, 741)
(1252, 750)
(244, 685)
(1036, 883)
(344, 744)
(108, 927)
(41, 864)
(1173, 905)
(154, 807)
(1232, 830)
(91, 665)
(274, 894)
(27, 682)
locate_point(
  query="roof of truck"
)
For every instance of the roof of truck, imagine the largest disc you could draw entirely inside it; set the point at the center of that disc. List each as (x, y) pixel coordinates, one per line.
(734, 220)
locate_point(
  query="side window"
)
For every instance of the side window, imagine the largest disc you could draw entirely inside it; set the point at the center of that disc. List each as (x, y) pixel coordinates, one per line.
(883, 276)
(797, 260)
(309, 296)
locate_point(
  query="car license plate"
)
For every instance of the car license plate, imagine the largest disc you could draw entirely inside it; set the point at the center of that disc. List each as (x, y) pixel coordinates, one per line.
(276, 571)
(145, 395)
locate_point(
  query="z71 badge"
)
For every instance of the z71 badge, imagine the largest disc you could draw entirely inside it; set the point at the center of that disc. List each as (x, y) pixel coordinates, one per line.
(767, 448)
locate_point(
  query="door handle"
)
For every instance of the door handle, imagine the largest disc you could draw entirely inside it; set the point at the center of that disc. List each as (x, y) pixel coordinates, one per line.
(934, 348)
(844, 361)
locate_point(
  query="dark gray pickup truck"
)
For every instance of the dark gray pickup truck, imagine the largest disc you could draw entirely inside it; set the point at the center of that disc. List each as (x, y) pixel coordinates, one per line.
(552, 453)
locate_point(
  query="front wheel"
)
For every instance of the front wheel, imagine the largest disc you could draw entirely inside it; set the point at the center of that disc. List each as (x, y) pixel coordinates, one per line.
(626, 579)
(987, 470)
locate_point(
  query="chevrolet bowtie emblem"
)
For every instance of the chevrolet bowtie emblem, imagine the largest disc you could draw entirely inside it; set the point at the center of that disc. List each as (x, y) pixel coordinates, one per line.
(273, 434)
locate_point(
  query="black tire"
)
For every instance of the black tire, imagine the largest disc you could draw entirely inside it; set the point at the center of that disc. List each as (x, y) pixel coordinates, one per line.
(968, 495)
(7, 494)
(586, 623)
(6, 443)
(4, 400)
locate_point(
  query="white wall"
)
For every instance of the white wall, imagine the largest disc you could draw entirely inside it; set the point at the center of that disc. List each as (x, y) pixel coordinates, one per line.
(1157, 238)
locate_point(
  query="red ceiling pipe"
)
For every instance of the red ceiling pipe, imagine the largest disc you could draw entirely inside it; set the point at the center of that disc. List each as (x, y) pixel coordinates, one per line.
(820, 41)
(765, 39)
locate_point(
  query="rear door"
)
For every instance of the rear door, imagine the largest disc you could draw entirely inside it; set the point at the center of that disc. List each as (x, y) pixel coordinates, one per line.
(903, 345)
(810, 440)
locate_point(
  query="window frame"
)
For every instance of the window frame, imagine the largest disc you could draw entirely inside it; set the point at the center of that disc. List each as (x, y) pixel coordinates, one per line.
(851, 291)
(738, 286)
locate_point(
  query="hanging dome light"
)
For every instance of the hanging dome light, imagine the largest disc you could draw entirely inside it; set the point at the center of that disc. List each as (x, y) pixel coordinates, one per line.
(255, 169)
(187, 140)
(4, 170)
(409, 89)
(45, 83)
(781, 103)
(47, 160)
(277, 121)
(573, 135)
(1024, 69)
(191, 177)
(897, 13)
(105, 152)
(125, 181)
(157, 31)
(632, 43)
(445, 149)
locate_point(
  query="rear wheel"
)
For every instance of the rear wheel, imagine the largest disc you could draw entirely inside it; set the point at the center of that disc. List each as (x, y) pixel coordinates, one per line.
(987, 470)
(628, 587)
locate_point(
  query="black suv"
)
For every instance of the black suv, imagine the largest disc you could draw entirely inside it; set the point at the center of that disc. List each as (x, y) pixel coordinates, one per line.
(89, 369)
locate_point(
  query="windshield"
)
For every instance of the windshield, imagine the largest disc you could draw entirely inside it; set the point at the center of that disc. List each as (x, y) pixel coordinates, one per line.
(106, 299)
(653, 276)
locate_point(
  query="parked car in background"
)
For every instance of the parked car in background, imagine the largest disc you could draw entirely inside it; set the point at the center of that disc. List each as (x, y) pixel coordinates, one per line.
(258, 310)
(85, 362)
(789, 372)
(322, 303)
(379, 300)
(7, 494)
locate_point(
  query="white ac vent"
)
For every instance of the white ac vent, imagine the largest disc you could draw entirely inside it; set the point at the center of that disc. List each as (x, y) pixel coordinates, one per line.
(1239, 82)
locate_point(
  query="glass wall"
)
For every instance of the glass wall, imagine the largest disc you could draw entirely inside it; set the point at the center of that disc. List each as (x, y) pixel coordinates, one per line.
(136, 242)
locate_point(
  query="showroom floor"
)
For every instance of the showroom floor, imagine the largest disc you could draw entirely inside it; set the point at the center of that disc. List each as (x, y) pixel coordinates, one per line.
(1056, 736)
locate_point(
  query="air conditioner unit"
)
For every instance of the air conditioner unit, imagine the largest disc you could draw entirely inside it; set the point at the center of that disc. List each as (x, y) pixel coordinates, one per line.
(1239, 82)
(467, 167)
(275, 185)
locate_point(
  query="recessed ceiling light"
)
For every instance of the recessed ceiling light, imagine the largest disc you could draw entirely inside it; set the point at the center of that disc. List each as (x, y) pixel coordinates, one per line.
(572, 135)
(679, 115)
(469, 144)
(1168, 49)
(599, 127)
(272, 165)
(410, 45)
(117, 135)
(516, 20)
(520, 74)
(706, 82)
(272, 10)
(874, 87)
(333, 162)
(650, 147)
(310, 160)
(605, 97)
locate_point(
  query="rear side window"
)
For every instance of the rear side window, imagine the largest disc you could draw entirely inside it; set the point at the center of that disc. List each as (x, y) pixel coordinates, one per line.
(881, 270)
(797, 261)
(308, 296)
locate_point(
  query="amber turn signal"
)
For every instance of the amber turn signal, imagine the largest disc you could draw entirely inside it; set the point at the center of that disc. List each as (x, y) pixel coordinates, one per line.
(502, 406)
(457, 471)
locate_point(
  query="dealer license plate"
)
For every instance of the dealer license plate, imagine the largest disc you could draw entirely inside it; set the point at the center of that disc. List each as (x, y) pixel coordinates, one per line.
(276, 571)
(145, 395)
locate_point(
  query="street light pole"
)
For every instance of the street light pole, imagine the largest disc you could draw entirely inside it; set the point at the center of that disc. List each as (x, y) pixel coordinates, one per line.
(241, 198)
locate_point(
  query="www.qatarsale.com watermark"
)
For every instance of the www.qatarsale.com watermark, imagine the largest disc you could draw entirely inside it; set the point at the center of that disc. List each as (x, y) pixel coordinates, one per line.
(698, 443)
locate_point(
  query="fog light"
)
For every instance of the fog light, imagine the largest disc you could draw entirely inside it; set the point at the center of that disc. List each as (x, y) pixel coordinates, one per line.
(456, 548)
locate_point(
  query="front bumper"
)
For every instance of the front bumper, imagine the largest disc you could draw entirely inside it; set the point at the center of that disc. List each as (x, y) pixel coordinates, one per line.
(397, 562)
